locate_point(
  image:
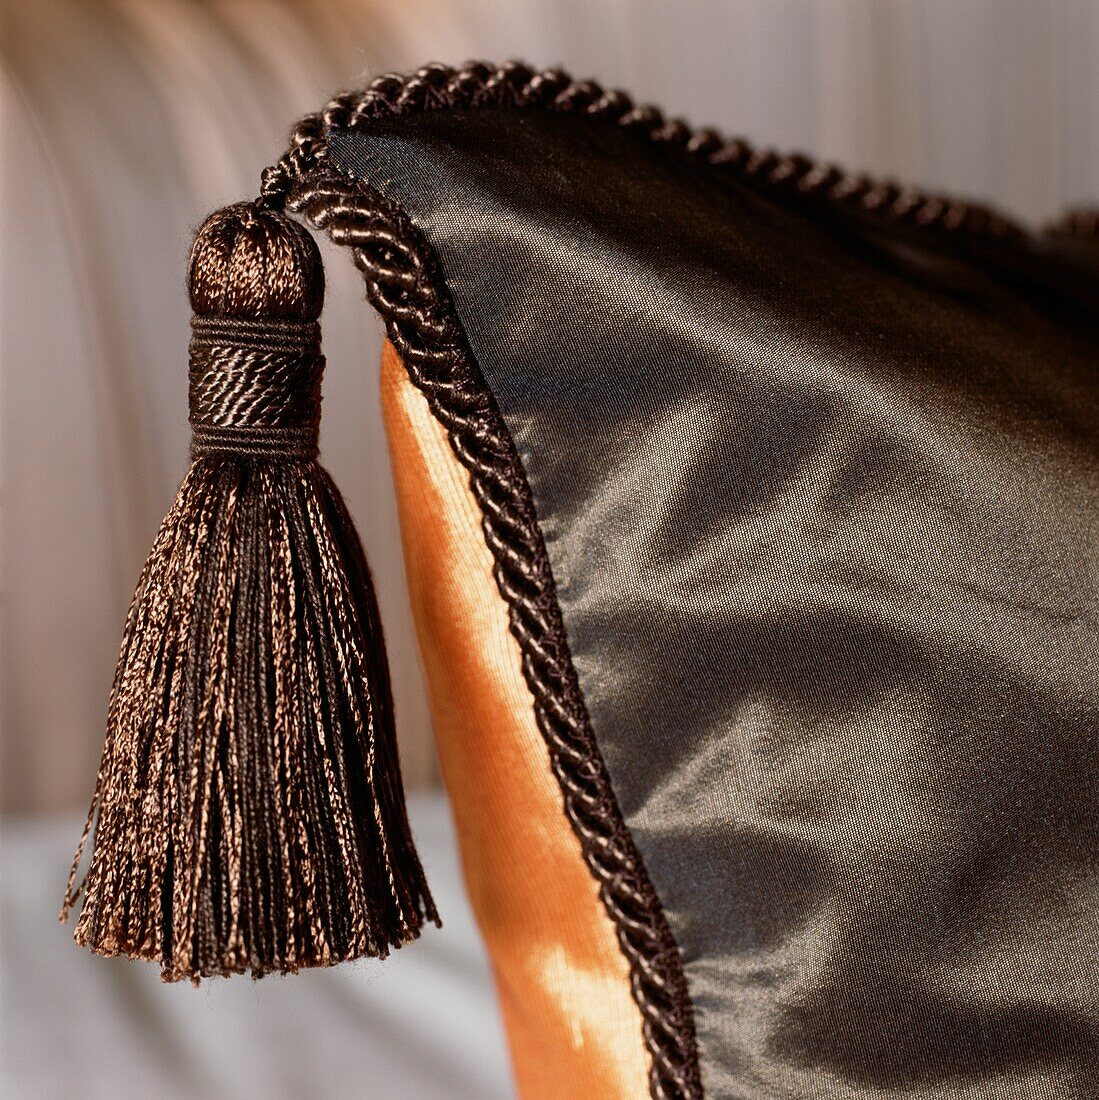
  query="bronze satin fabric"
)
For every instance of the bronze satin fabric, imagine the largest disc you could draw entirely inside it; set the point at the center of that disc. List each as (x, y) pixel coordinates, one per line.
(821, 500)
(572, 1025)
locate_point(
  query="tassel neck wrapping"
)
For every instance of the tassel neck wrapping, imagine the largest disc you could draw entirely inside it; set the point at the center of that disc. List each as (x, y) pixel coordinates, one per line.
(257, 288)
(255, 388)
(248, 812)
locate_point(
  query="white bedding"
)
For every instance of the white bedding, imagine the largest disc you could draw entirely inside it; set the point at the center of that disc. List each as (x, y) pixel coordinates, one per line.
(422, 1025)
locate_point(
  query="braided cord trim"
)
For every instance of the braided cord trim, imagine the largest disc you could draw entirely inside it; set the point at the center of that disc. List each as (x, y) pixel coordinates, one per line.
(477, 84)
(405, 286)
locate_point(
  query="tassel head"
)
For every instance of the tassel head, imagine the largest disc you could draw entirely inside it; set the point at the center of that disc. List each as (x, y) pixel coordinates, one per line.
(248, 811)
(257, 287)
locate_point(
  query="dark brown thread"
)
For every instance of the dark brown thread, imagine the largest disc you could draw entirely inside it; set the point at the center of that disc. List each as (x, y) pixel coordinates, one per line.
(404, 285)
(255, 388)
(248, 810)
(477, 84)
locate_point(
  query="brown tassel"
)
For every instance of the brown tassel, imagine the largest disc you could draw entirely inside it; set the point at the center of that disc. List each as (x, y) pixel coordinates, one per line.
(248, 811)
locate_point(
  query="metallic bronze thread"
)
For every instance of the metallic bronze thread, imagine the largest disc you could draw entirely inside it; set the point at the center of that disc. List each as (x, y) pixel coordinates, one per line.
(248, 811)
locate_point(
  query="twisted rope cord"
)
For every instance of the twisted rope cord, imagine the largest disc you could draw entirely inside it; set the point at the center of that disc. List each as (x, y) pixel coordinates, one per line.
(476, 84)
(403, 284)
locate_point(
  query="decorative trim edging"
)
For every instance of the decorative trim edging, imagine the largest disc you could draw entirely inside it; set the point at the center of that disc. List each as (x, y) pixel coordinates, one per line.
(476, 85)
(404, 284)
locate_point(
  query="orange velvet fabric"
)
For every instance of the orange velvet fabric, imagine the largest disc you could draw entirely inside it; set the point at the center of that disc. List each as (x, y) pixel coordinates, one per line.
(572, 1025)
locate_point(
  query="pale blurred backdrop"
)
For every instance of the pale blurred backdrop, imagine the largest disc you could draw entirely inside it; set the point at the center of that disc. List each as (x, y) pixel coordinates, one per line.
(122, 123)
